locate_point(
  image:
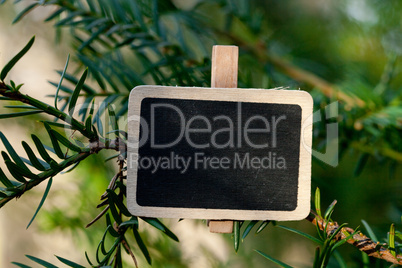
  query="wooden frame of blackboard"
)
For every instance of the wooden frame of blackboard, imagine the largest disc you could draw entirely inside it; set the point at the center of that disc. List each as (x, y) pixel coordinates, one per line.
(274, 96)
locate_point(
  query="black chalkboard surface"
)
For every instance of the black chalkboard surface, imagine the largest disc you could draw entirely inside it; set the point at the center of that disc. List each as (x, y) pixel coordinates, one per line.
(199, 154)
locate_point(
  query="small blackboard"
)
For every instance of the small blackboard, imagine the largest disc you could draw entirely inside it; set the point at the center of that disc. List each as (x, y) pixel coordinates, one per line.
(219, 153)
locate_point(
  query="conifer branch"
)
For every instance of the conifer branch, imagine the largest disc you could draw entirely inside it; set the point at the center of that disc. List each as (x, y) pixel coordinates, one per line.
(259, 50)
(18, 96)
(20, 190)
(359, 240)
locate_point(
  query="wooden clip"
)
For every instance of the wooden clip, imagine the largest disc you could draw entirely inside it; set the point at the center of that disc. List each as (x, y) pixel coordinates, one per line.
(223, 75)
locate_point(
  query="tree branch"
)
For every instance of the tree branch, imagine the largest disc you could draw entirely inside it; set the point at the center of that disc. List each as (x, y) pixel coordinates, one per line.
(18, 191)
(94, 144)
(359, 240)
(94, 147)
(259, 50)
(16, 95)
(117, 144)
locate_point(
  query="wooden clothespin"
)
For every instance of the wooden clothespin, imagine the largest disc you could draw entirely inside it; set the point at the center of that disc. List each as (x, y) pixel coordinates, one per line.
(223, 75)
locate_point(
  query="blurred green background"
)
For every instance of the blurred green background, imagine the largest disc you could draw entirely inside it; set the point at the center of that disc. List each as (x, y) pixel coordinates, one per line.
(321, 46)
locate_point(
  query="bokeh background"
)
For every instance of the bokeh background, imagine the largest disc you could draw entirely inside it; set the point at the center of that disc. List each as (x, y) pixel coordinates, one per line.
(353, 45)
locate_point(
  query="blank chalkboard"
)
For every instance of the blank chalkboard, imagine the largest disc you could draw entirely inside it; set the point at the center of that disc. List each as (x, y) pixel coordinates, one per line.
(199, 153)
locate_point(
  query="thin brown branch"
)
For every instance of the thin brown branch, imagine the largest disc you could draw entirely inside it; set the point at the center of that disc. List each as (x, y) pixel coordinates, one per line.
(111, 185)
(103, 203)
(128, 250)
(359, 240)
(259, 50)
(386, 151)
(98, 217)
(117, 144)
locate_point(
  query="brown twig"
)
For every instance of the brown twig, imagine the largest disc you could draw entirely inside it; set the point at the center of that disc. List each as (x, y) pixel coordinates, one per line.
(117, 144)
(111, 186)
(98, 217)
(128, 250)
(259, 50)
(359, 240)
